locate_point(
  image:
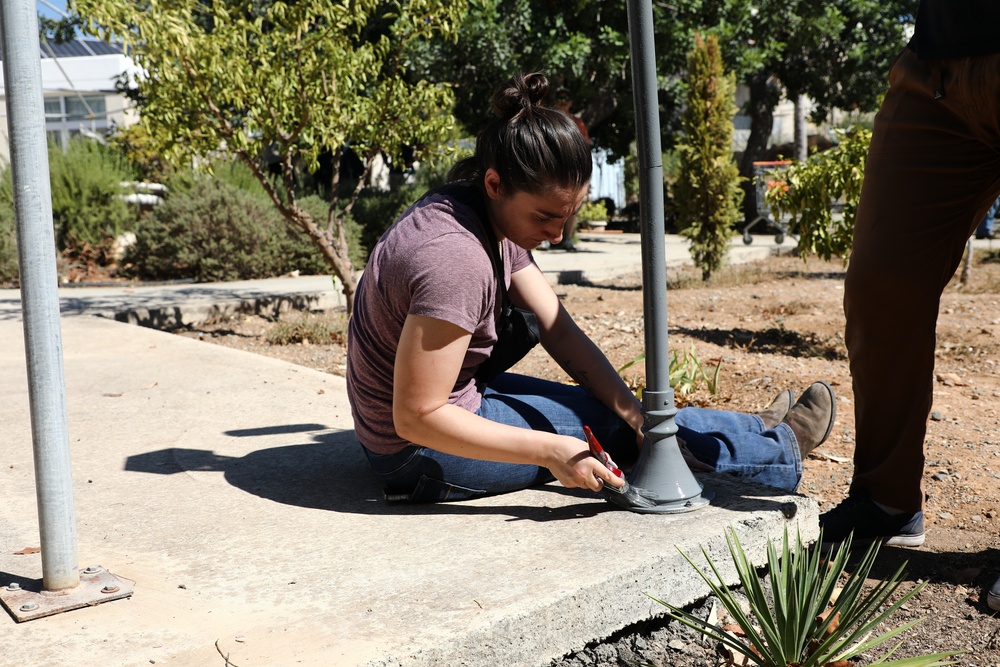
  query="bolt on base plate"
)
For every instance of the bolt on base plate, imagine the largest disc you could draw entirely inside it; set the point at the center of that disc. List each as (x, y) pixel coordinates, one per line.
(26, 602)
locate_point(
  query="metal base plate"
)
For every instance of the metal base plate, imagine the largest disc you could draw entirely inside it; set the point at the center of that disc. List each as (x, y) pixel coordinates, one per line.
(678, 506)
(27, 601)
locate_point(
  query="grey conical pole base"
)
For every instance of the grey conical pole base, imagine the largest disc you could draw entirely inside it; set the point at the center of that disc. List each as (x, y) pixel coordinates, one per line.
(661, 470)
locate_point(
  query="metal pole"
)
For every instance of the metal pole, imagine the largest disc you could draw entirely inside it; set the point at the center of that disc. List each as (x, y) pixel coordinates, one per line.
(39, 296)
(661, 468)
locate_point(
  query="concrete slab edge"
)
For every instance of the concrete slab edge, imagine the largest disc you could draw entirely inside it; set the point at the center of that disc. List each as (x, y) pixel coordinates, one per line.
(554, 628)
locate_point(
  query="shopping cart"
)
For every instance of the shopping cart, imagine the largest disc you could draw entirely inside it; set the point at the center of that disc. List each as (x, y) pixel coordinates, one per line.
(765, 178)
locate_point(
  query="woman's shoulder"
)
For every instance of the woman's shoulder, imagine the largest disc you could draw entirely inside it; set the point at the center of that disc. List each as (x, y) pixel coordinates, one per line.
(438, 227)
(448, 211)
(461, 199)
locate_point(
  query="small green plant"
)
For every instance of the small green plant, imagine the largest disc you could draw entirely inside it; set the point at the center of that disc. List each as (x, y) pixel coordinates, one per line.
(593, 211)
(686, 374)
(309, 329)
(812, 187)
(807, 620)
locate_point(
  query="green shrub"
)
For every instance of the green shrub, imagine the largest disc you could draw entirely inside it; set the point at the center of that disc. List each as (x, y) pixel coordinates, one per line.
(8, 244)
(86, 187)
(807, 192)
(135, 146)
(238, 175)
(593, 211)
(215, 232)
(687, 373)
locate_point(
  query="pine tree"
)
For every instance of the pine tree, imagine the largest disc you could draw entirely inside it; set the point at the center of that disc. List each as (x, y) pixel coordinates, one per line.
(707, 192)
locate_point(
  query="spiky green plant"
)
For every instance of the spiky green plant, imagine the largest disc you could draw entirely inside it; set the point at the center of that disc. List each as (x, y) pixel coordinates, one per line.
(802, 622)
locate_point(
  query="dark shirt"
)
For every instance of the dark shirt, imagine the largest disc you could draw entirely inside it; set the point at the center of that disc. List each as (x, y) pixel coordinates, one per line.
(956, 29)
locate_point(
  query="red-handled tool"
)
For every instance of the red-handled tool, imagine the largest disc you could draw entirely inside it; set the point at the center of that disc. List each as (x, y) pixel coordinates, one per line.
(626, 495)
(598, 453)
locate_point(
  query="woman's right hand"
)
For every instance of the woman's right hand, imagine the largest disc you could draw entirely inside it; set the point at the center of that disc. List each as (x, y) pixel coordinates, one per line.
(571, 463)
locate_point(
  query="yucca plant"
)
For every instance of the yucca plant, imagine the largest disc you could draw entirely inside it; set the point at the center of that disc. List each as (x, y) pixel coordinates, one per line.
(807, 621)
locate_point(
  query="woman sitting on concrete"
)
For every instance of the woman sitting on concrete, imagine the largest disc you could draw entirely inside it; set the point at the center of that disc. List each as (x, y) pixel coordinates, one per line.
(437, 415)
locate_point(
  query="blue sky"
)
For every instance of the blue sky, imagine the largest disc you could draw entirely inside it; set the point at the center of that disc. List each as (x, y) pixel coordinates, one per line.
(44, 10)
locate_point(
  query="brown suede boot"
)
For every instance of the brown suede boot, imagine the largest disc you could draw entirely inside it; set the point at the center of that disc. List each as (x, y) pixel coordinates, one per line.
(811, 418)
(774, 413)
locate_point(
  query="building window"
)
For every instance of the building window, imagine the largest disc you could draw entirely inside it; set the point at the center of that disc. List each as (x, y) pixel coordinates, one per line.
(85, 107)
(67, 115)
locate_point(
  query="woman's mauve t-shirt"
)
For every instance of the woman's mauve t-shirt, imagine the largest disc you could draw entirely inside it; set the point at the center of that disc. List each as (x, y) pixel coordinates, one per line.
(431, 262)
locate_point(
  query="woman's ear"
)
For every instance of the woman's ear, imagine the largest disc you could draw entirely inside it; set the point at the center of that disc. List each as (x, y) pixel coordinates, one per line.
(492, 182)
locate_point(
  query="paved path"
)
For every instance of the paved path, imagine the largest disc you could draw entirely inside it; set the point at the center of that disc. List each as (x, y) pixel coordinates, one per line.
(601, 258)
(226, 489)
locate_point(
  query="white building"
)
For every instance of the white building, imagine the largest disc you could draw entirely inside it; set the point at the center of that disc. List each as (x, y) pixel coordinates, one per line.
(78, 84)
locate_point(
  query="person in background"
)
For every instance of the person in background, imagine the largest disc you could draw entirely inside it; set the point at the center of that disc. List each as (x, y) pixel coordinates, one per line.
(932, 173)
(564, 103)
(985, 228)
(432, 424)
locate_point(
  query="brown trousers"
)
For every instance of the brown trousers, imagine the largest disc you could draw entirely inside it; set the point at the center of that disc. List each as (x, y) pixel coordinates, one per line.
(933, 170)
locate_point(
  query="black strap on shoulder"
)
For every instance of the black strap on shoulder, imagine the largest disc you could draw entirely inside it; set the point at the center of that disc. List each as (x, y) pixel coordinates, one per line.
(472, 196)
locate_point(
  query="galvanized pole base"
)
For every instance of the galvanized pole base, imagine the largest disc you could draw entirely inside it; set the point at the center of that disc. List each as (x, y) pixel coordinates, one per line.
(26, 601)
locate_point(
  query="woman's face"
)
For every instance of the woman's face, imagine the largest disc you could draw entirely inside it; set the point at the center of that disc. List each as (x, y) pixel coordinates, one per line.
(528, 219)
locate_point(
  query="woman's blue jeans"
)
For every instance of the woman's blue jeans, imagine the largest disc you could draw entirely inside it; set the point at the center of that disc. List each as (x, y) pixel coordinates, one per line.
(730, 442)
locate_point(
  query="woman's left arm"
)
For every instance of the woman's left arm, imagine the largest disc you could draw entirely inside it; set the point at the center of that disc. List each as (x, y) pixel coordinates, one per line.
(571, 348)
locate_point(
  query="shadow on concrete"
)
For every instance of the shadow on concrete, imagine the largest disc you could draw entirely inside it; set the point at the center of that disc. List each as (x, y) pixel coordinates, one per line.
(332, 474)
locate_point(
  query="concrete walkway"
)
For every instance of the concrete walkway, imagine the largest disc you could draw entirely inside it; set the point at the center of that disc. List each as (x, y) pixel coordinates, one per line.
(226, 489)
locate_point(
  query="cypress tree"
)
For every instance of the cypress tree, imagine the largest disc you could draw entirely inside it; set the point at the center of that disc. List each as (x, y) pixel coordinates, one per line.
(707, 192)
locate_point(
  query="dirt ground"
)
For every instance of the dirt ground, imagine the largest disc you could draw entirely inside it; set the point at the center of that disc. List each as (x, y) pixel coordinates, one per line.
(778, 324)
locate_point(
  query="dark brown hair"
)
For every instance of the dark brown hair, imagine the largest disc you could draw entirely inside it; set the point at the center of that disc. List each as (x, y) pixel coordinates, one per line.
(534, 148)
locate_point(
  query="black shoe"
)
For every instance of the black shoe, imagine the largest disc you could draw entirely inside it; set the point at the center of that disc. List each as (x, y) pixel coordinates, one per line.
(869, 522)
(993, 597)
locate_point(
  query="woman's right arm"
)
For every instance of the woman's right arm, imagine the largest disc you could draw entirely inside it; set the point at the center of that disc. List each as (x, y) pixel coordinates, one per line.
(428, 360)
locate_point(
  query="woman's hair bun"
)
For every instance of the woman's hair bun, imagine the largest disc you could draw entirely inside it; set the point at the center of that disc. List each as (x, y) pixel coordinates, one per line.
(522, 91)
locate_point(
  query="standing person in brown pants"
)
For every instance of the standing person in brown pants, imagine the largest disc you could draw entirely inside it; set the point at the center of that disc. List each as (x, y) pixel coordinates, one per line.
(933, 171)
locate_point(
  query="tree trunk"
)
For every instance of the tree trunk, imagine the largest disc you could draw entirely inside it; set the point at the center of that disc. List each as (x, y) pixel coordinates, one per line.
(801, 134)
(334, 249)
(967, 265)
(761, 111)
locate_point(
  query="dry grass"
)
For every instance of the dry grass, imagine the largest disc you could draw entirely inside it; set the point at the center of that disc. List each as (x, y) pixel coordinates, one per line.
(326, 329)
